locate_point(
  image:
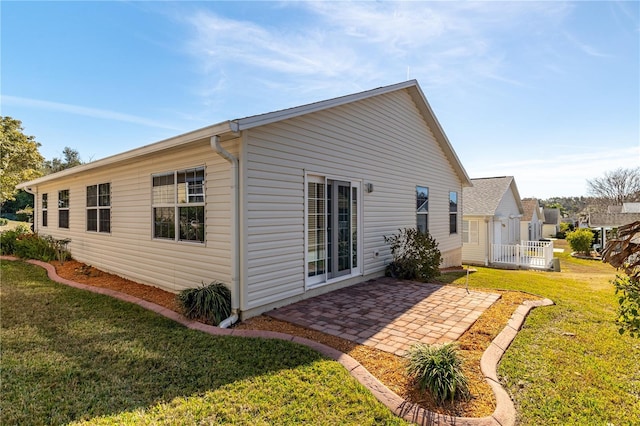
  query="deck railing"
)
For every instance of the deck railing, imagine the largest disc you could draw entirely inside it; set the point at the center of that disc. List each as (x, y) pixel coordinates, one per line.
(531, 254)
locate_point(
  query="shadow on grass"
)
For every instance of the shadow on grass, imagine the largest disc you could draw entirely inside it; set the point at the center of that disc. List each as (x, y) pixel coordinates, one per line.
(69, 355)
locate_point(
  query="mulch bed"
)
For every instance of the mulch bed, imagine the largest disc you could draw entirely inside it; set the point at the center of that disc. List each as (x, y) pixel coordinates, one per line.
(388, 368)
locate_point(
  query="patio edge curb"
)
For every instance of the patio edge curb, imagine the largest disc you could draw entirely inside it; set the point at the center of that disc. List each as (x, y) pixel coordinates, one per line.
(503, 415)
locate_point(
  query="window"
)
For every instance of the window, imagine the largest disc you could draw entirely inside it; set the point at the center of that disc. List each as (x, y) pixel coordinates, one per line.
(422, 208)
(99, 208)
(453, 212)
(45, 206)
(178, 200)
(332, 229)
(470, 230)
(63, 208)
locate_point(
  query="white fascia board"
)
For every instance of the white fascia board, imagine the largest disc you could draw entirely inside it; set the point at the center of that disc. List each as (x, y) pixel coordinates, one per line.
(424, 107)
(186, 138)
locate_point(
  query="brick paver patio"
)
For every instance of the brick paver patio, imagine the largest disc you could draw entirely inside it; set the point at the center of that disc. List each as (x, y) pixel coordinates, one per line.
(389, 314)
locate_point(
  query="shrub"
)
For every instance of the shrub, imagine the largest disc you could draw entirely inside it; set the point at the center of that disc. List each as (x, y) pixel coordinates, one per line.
(415, 255)
(564, 228)
(438, 369)
(8, 239)
(210, 303)
(32, 246)
(628, 288)
(581, 240)
(3, 221)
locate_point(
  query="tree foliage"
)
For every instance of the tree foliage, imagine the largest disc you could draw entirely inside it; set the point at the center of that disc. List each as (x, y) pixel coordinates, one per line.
(623, 252)
(580, 240)
(20, 159)
(616, 186)
(70, 158)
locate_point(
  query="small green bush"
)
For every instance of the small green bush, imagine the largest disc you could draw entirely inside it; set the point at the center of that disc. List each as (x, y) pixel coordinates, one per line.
(32, 246)
(3, 221)
(210, 303)
(628, 289)
(415, 255)
(581, 240)
(9, 238)
(438, 369)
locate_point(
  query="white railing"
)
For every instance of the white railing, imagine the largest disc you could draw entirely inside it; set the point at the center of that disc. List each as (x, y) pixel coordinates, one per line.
(531, 254)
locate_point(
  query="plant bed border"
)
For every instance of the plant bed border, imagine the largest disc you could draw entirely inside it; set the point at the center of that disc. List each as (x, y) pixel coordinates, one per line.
(503, 415)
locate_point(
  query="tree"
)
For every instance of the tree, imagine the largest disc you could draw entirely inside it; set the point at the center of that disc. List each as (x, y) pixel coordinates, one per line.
(70, 158)
(20, 159)
(617, 186)
(623, 252)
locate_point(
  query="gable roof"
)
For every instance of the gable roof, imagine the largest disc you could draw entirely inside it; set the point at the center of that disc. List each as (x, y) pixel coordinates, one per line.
(552, 215)
(612, 220)
(484, 197)
(531, 206)
(231, 128)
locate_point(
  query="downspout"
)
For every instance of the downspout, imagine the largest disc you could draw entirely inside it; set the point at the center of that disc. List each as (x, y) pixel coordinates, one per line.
(235, 238)
(489, 245)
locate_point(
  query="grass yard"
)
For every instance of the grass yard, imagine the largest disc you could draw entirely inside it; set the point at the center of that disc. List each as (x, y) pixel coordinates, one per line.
(569, 365)
(69, 356)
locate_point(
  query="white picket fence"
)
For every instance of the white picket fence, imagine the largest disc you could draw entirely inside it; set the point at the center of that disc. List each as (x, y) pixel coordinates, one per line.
(529, 254)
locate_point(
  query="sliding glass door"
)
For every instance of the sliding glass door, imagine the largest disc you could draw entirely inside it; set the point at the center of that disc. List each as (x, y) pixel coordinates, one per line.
(332, 229)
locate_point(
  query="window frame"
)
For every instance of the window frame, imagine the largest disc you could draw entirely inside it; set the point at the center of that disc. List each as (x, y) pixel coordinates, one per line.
(453, 212)
(99, 206)
(44, 200)
(419, 211)
(63, 207)
(469, 235)
(176, 212)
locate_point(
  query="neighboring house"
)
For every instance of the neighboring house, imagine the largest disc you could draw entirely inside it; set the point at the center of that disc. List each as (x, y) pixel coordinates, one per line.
(280, 206)
(552, 220)
(606, 222)
(532, 220)
(491, 215)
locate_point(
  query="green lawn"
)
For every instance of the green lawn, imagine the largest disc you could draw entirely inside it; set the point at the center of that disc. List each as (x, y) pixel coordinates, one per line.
(69, 356)
(569, 365)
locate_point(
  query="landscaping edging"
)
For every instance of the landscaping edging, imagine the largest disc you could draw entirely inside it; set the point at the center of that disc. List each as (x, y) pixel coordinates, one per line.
(504, 414)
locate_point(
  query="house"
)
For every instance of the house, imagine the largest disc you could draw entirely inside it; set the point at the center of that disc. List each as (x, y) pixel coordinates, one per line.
(552, 220)
(280, 206)
(605, 223)
(532, 220)
(491, 215)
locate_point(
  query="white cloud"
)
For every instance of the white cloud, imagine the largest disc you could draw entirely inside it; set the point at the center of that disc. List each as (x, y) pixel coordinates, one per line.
(84, 111)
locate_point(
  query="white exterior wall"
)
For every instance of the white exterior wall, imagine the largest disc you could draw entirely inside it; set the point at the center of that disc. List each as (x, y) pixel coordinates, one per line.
(381, 140)
(508, 211)
(129, 250)
(478, 253)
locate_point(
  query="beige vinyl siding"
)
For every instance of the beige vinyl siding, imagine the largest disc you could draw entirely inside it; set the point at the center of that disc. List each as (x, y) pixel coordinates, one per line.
(477, 254)
(381, 140)
(129, 250)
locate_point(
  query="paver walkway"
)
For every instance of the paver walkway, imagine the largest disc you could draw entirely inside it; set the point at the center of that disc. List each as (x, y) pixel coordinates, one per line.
(389, 314)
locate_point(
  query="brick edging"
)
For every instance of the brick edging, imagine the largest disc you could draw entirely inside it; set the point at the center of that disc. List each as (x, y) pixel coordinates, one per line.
(504, 414)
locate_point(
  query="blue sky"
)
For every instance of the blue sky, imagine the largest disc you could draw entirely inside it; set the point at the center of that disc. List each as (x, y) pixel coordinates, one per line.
(547, 92)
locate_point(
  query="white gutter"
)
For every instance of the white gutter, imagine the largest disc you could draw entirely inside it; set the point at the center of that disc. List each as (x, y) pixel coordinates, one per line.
(235, 238)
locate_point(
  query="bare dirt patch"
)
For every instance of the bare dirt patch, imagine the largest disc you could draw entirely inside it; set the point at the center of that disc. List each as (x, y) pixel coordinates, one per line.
(388, 368)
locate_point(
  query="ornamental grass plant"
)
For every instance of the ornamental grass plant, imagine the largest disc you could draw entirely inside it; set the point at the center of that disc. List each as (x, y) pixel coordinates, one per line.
(210, 303)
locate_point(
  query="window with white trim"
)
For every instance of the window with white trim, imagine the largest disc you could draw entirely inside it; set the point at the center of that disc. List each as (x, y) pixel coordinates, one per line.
(332, 223)
(422, 209)
(63, 208)
(45, 207)
(470, 231)
(453, 212)
(99, 208)
(178, 201)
